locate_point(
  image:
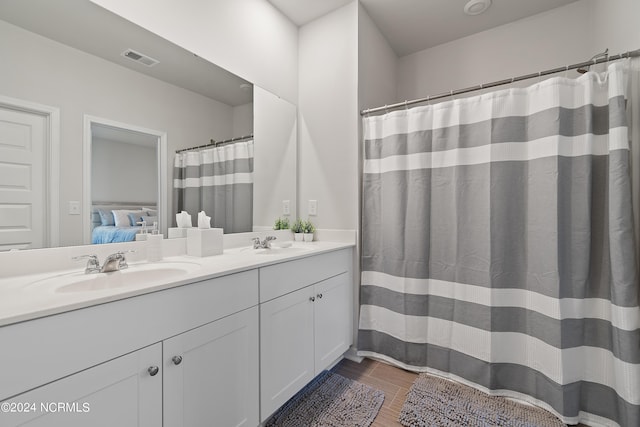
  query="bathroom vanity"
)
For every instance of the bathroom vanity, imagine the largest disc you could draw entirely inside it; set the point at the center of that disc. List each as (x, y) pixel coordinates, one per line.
(225, 343)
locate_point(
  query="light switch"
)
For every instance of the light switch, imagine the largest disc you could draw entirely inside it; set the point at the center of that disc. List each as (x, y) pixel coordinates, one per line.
(74, 208)
(286, 207)
(313, 207)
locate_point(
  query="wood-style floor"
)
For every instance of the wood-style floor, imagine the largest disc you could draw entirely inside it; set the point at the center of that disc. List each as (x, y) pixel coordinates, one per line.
(394, 382)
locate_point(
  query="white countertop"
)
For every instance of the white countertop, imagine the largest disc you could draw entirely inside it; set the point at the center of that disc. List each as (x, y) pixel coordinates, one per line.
(22, 298)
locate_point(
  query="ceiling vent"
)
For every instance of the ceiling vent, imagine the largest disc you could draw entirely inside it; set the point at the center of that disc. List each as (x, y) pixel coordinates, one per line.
(139, 57)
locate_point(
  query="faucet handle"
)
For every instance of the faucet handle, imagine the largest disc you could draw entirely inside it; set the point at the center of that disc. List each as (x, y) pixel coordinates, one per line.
(93, 264)
(122, 263)
(268, 240)
(91, 258)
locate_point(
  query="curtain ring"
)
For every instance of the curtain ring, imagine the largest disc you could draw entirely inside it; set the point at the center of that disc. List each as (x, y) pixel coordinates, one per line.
(406, 107)
(386, 110)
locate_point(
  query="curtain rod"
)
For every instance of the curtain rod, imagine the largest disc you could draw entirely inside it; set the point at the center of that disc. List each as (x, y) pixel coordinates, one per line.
(631, 54)
(215, 143)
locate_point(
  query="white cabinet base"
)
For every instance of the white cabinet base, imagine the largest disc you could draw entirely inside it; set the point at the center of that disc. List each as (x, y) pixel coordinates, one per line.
(332, 320)
(120, 393)
(216, 380)
(303, 330)
(286, 348)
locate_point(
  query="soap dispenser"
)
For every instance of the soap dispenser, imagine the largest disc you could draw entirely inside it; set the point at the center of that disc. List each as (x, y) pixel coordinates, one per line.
(142, 235)
(154, 244)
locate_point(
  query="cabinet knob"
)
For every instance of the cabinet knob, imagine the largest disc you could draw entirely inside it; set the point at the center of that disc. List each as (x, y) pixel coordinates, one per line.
(319, 296)
(153, 370)
(176, 360)
(312, 299)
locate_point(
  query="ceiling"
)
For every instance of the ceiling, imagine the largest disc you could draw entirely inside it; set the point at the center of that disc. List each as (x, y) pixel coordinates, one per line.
(85, 26)
(408, 25)
(108, 133)
(414, 25)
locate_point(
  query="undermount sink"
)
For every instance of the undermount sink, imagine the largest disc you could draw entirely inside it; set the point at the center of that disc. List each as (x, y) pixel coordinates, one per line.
(136, 274)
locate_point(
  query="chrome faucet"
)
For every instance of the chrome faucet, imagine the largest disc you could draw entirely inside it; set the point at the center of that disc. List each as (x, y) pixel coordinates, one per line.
(263, 244)
(113, 262)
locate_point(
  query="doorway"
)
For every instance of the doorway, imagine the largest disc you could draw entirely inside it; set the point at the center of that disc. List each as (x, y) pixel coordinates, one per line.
(29, 156)
(125, 166)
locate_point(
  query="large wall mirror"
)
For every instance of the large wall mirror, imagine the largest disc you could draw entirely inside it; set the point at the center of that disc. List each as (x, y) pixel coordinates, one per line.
(93, 110)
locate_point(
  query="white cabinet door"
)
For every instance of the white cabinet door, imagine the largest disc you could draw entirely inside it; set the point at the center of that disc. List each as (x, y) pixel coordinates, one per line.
(211, 374)
(121, 392)
(332, 320)
(286, 348)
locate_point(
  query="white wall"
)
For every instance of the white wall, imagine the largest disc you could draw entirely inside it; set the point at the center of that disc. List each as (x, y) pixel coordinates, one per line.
(616, 25)
(243, 120)
(274, 174)
(250, 38)
(377, 65)
(562, 36)
(47, 72)
(329, 119)
(123, 172)
(547, 40)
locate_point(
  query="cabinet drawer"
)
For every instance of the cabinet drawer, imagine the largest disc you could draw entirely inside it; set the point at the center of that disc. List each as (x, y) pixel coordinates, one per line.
(280, 279)
(49, 348)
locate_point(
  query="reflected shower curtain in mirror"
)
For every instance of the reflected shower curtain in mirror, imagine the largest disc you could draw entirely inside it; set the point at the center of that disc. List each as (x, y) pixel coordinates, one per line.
(498, 245)
(219, 181)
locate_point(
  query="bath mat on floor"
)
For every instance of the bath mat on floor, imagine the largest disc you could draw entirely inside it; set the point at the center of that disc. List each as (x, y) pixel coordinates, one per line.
(434, 401)
(330, 400)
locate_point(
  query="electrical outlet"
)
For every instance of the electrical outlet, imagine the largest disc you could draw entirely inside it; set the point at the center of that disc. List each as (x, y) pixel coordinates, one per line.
(74, 208)
(313, 207)
(286, 207)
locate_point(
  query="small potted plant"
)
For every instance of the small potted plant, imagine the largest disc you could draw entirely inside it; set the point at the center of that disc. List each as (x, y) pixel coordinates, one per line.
(309, 229)
(281, 224)
(298, 229)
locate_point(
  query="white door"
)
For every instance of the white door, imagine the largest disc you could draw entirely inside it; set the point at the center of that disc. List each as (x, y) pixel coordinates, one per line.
(211, 374)
(333, 331)
(286, 348)
(121, 392)
(22, 180)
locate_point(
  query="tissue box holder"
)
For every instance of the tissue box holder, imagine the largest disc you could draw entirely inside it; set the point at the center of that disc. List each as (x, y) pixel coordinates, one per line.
(204, 242)
(176, 233)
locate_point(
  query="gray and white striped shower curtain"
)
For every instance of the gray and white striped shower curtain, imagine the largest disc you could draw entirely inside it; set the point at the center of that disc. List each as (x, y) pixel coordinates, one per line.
(219, 181)
(498, 245)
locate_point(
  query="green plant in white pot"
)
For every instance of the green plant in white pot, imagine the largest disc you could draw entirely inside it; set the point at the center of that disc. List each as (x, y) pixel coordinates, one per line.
(281, 224)
(309, 229)
(298, 229)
